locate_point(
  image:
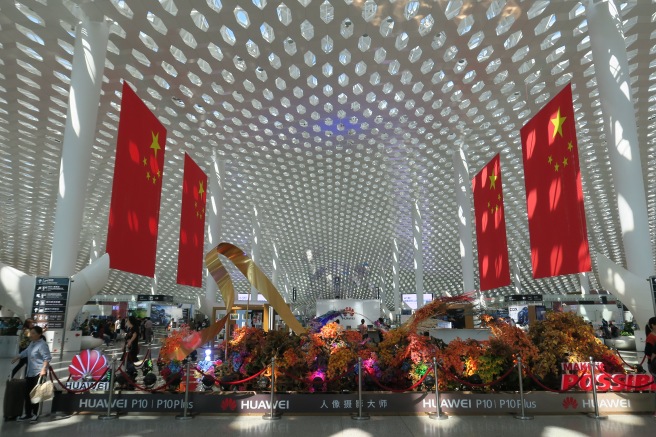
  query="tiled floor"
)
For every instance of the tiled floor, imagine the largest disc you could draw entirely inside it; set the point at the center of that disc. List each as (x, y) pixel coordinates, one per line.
(318, 426)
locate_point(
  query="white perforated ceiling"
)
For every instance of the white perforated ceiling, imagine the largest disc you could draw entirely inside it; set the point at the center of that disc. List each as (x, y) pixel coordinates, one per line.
(332, 118)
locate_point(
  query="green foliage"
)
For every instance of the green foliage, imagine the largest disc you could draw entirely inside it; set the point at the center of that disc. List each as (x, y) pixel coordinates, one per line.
(567, 337)
(627, 329)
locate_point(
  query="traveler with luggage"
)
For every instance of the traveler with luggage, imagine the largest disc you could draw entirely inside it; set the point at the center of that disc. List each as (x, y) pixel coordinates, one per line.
(38, 359)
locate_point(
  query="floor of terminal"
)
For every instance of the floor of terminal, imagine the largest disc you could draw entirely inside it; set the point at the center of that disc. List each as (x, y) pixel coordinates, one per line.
(134, 425)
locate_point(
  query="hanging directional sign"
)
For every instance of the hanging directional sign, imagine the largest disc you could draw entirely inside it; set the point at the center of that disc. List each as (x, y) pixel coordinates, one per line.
(50, 302)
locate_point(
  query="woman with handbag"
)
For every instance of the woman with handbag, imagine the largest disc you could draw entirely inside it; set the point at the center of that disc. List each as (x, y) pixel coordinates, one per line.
(38, 358)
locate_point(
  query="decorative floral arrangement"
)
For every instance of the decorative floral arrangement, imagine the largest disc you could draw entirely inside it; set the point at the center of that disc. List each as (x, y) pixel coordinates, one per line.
(566, 337)
(327, 358)
(173, 344)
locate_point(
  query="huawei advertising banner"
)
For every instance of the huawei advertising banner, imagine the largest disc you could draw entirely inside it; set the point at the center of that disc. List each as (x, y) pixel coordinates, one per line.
(373, 403)
(578, 376)
(352, 310)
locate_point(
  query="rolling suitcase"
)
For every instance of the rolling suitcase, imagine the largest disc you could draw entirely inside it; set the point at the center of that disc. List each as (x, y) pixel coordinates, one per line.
(14, 398)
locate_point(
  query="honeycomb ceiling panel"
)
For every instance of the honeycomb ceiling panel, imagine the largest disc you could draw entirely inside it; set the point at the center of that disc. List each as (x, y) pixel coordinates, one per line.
(332, 118)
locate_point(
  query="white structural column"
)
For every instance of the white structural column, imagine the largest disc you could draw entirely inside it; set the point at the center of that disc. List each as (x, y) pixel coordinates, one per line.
(612, 74)
(275, 279)
(463, 199)
(214, 209)
(417, 249)
(94, 253)
(255, 247)
(86, 79)
(380, 290)
(396, 286)
(517, 278)
(585, 283)
(275, 274)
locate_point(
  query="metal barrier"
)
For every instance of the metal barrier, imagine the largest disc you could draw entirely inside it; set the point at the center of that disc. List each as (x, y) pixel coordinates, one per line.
(522, 415)
(594, 415)
(437, 415)
(360, 415)
(109, 415)
(273, 414)
(185, 415)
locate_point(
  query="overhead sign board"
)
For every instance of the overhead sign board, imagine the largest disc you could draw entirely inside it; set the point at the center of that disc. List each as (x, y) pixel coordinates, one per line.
(523, 298)
(50, 302)
(154, 298)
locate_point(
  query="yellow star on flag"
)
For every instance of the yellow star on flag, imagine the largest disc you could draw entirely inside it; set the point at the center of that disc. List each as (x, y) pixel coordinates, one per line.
(570, 146)
(493, 181)
(564, 162)
(558, 121)
(201, 190)
(145, 162)
(155, 144)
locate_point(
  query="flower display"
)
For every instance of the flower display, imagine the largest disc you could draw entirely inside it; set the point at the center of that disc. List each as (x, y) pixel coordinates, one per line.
(172, 346)
(327, 358)
(566, 337)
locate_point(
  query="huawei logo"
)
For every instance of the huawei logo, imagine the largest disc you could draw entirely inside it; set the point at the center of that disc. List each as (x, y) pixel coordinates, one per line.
(228, 404)
(570, 402)
(349, 311)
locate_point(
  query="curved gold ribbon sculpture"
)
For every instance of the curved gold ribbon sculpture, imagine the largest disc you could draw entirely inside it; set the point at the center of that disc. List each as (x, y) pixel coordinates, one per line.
(257, 279)
(255, 276)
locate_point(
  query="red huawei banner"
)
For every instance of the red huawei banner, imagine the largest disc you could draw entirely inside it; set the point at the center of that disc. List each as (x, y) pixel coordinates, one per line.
(137, 188)
(554, 197)
(607, 382)
(493, 264)
(192, 225)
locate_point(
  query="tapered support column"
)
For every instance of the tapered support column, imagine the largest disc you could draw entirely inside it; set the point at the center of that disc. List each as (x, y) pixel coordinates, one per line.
(613, 79)
(463, 188)
(86, 79)
(255, 246)
(214, 228)
(395, 277)
(417, 230)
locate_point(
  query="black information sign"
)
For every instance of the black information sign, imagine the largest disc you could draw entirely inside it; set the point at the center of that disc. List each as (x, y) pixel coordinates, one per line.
(154, 298)
(523, 298)
(50, 300)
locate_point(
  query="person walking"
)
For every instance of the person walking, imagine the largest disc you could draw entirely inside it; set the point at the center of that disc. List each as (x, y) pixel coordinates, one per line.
(132, 342)
(148, 328)
(23, 343)
(38, 359)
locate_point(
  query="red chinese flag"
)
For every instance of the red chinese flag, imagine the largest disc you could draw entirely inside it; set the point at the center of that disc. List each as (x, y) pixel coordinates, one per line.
(137, 188)
(192, 225)
(554, 197)
(493, 265)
